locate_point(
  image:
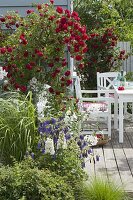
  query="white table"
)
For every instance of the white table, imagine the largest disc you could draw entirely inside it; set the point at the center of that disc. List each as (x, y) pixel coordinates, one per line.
(121, 96)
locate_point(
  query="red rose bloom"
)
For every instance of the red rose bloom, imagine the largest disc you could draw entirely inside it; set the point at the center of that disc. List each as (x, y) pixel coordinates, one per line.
(9, 49)
(23, 88)
(59, 9)
(67, 73)
(51, 90)
(62, 79)
(3, 50)
(78, 57)
(2, 19)
(57, 92)
(52, 1)
(29, 67)
(26, 54)
(68, 82)
(57, 70)
(51, 64)
(57, 59)
(40, 54)
(16, 86)
(39, 6)
(29, 11)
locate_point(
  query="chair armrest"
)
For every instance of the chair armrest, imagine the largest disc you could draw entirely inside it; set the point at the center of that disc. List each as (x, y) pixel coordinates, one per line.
(108, 99)
(106, 92)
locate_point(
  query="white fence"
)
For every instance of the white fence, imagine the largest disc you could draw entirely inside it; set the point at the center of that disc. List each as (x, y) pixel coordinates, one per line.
(128, 63)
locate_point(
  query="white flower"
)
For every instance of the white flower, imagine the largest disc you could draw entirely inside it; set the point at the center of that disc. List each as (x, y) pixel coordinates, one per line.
(66, 119)
(49, 146)
(61, 142)
(68, 112)
(91, 139)
(3, 73)
(74, 117)
(33, 80)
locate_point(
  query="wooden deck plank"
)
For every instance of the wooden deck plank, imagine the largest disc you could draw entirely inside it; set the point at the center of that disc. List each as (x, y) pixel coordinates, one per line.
(122, 162)
(111, 166)
(116, 160)
(89, 168)
(100, 167)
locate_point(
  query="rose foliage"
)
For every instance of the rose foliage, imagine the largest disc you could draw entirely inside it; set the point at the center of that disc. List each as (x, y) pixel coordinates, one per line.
(36, 48)
(102, 56)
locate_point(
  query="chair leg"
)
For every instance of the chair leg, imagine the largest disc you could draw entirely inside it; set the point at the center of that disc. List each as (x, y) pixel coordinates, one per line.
(132, 112)
(125, 109)
(109, 122)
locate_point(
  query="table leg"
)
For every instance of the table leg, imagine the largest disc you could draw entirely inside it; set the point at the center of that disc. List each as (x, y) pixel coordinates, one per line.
(120, 121)
(116, 112)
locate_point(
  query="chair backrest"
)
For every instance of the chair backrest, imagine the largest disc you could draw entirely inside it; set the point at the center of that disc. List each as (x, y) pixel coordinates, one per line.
(78, 88)
(106, 80)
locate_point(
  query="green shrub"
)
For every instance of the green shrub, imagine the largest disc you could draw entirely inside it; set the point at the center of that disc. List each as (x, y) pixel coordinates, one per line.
(17, 126)
(98, 189)
(26, 182)
(66, 164)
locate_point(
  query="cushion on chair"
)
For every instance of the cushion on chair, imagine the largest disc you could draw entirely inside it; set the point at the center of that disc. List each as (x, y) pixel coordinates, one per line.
(94, 107)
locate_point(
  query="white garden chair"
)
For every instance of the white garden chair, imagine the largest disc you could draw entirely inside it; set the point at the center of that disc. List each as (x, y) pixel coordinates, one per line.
(105, 81)
(99, 107)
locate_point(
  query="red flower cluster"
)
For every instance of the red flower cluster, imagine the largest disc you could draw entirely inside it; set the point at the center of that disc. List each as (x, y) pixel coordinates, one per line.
(38, 48)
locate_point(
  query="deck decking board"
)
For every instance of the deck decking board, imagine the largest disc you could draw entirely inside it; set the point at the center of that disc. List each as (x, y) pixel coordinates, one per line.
(116, 160)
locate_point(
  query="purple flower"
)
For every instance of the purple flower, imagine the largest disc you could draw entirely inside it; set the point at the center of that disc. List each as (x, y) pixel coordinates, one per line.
(97, 157)
(39, 145)
(53, 121)
(81, 137)
(66, 130)
(83, 164)
(79, 143)
(68, 136)
(89, 151)
(55, 140)
(32, 155)
(43, 150)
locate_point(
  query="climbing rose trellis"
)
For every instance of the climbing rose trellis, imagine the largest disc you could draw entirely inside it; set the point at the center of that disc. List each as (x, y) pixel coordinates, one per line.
(36, 48)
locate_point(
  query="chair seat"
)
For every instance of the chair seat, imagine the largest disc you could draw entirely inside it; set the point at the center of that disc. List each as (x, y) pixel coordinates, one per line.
(95, 107)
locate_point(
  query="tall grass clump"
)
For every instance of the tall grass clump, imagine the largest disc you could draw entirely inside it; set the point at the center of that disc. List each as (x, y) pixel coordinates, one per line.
(98, 189)
(17, 126)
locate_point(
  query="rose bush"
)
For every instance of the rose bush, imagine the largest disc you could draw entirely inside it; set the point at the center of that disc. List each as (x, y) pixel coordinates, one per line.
(102, 56)
(36, 48)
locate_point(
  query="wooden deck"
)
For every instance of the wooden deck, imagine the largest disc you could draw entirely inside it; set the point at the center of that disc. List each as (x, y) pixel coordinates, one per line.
(116, 160)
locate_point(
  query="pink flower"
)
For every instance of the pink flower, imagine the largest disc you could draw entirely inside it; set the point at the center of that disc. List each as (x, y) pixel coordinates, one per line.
(59, 9)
